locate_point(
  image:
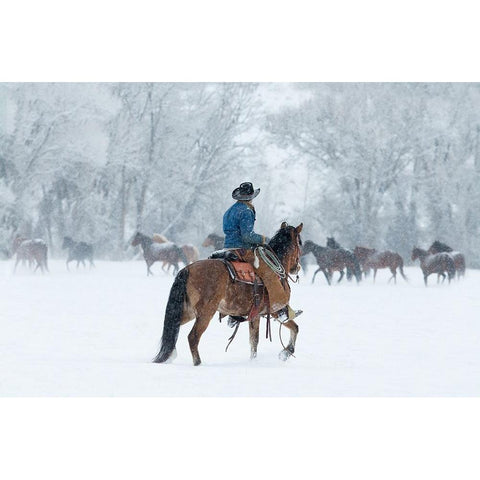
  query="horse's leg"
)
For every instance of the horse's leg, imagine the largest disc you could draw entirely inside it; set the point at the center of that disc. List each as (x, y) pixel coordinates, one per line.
(68, 260)
(342, 273)
(200, 325)
(324, 272)
(313, 279)
(374, 274)
(290, 348)
(149, 264)
(254, 329)
(16, 263)
(394, 275)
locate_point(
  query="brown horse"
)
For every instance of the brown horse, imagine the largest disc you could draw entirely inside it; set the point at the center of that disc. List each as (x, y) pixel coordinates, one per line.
(332, 260)
(369, 258)
(458, 258)
(205, 287)
(31, 251)
(154, 252)
(434, 263)
(214, 240)
(190, 251)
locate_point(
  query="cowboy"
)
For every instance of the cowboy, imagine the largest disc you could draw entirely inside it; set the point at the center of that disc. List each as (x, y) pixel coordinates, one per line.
(238, 224)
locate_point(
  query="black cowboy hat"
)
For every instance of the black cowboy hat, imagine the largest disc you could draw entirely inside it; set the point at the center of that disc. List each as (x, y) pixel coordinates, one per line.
(245, 192)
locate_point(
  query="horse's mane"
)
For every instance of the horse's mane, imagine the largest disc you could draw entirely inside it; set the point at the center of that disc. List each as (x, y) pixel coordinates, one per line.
(281, 241)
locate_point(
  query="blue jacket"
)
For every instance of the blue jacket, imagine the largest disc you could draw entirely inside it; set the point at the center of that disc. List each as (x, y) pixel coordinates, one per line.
(238, 223)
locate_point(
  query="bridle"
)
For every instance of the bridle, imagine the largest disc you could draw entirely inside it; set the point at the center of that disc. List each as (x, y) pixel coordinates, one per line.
(297, 254)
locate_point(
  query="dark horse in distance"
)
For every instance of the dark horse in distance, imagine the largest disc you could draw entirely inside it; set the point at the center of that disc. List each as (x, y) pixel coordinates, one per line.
(214, 240)
(153, 252)
(330, 260)
(369, 258)
(458, 258)
(205, 287)
(434, 263)
(79, 251)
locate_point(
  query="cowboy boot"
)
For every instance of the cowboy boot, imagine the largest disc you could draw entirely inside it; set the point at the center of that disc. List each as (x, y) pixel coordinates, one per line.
(287, 313)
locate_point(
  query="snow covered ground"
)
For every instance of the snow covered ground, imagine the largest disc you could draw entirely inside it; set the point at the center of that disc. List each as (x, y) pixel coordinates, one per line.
(94, 333)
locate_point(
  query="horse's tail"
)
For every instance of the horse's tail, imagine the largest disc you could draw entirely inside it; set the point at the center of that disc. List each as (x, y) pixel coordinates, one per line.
(400, 267)
(173, 316)
(460, 264)
(45, 258)
(451, 270)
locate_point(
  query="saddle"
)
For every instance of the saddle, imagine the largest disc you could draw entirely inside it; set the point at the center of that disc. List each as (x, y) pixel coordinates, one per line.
(239, 268)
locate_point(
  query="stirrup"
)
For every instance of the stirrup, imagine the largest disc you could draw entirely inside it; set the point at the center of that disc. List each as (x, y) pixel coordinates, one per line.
(283, 316)
(234, 320)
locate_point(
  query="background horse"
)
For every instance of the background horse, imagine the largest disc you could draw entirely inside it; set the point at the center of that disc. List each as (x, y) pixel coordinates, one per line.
(357, 271)
(369, 258)
(78, 251)
(190, 251)
(434, 263)
(332, 243)
(215, 241)
(31, 251)
(330, 260)
(159, 238)
(154, 252)
(205, 287)
(458, 258)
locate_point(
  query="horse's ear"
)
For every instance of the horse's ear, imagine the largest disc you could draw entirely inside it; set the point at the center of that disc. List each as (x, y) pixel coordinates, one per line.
(299, 228)
(284, 225)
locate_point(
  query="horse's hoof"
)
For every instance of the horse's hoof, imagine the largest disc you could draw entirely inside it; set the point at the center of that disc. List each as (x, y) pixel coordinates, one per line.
(253, 356)
(196, 362)
(284, 355)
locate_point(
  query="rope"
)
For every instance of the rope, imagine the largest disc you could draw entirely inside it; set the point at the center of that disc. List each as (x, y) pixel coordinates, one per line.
(269, 257)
